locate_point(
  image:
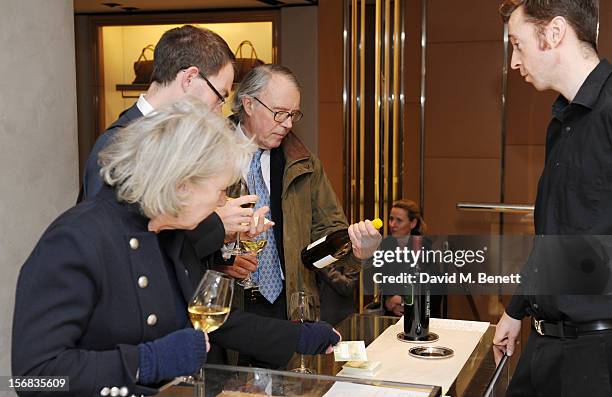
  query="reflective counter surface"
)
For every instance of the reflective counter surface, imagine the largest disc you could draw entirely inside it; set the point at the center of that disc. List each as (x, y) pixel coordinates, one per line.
(475, 379)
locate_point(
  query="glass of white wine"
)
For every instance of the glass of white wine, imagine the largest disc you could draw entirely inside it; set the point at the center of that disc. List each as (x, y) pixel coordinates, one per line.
(211, 303)
(253, 246)
(302, 309)
(248, 246)
(242, 189)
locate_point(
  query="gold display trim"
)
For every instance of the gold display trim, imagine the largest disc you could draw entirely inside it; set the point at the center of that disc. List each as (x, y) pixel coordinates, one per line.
(373, 100)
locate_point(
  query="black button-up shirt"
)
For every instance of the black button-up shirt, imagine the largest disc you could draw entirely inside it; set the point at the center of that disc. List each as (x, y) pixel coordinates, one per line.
(575, 189)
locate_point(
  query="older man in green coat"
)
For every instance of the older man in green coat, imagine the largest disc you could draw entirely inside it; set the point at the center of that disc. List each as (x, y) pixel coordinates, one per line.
(303, 204)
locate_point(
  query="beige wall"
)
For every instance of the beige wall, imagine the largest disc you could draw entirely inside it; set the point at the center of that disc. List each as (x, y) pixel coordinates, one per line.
(38, 138)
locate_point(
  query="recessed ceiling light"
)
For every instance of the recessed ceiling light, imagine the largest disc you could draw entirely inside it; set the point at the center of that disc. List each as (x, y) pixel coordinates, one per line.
(129, 9)
(111, 5)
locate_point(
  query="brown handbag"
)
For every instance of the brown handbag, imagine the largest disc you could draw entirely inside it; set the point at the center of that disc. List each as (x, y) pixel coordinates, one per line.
(243, 64)
(143, 67)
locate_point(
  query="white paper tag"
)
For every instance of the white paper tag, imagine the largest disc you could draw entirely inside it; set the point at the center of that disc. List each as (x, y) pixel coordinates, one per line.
(315, 243)
(321, 263)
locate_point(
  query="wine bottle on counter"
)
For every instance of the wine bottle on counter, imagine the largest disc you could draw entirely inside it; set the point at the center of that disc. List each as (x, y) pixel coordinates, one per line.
(417, 306)
(330, 248)
(417, 313)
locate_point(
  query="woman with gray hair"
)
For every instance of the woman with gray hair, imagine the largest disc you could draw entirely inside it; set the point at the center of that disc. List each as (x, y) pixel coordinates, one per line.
(102, 298)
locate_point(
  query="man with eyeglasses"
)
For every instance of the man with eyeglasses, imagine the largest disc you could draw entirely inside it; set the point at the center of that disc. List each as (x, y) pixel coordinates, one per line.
(303, 204)
(188, 61)
(197, 62)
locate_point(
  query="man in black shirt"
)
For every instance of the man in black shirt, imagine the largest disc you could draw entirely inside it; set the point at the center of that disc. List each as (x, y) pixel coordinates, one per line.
(569, 352)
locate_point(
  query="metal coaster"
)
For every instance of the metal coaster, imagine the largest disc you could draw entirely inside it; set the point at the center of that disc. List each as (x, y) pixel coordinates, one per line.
(429, 338)
(431, 352)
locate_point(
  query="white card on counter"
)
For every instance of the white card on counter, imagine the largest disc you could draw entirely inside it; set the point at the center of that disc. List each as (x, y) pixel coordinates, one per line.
(350, 351)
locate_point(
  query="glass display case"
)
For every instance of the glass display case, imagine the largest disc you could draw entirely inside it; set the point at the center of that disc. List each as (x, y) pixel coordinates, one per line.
(480, 376)
(227, 381)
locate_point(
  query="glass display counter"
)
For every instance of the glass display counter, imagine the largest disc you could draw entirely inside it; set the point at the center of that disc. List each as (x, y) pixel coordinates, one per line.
(479, 376)
(227, 381)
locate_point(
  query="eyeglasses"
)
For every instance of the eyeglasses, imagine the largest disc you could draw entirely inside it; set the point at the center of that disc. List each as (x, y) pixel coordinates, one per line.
(282, 115)
(212, 87)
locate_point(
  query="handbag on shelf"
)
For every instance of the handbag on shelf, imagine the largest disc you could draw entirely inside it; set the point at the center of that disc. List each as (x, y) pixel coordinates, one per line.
(245, 64)
(143, 67)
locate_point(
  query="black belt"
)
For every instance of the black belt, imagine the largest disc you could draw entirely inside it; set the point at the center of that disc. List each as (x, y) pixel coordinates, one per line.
(563, 329)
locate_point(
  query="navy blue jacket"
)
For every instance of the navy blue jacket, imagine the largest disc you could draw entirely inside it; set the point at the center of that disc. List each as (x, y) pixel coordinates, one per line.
(80, 310)
(92, 183)
(209, 234)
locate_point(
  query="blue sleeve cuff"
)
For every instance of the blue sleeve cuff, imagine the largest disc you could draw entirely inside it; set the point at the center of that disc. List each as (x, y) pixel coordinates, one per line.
(315, 338)
(180, 353)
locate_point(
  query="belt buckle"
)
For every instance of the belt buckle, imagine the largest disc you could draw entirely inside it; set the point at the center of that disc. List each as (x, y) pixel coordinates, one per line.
(538, 326)
(253, 294)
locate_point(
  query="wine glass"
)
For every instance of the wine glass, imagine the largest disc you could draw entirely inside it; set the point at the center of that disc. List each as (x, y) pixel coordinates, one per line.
(302, 309)
(211, 302)
(242, 189)
(247, 246)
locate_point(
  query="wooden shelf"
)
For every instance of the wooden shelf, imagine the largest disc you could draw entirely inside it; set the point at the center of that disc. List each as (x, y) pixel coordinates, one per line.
(132, 87)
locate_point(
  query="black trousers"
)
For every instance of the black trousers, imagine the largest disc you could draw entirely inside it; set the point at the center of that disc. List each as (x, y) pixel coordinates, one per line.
(564, 367)
(257, 304)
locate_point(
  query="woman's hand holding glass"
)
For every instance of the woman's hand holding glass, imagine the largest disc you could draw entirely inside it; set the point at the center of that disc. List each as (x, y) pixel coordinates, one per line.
(211, 304)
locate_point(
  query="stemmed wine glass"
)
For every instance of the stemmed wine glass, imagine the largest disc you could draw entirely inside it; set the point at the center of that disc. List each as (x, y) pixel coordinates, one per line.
(208, 309)
(246, 246)
(242, 189)
(211, 302)
(302, 309)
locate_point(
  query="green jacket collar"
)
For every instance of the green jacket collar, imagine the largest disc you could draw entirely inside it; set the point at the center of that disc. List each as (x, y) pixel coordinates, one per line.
(298, 160)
